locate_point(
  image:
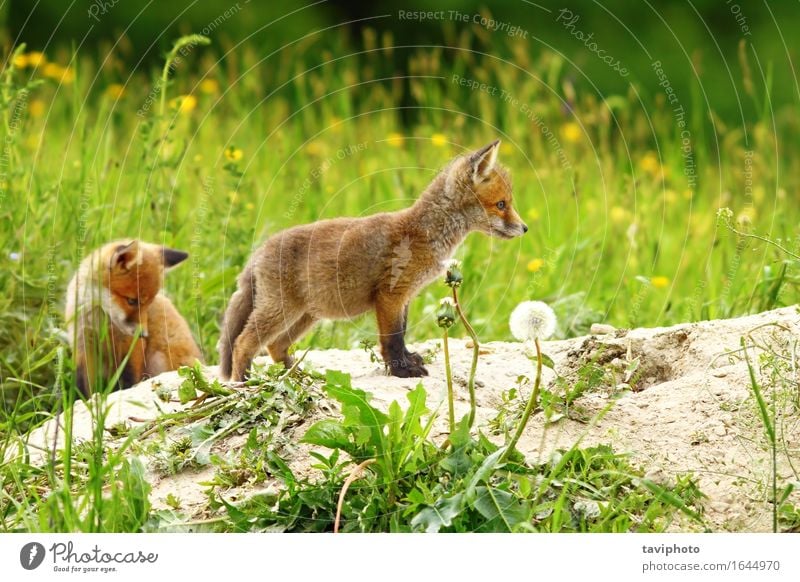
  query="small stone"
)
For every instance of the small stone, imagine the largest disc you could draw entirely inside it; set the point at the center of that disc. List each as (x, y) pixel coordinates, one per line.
(719, 506)
(719, 373)
(602, 329)
(658, 476)
(720, 430)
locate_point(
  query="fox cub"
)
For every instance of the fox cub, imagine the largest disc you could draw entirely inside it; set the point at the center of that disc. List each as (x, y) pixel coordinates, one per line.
(341, 268)
(115, 293)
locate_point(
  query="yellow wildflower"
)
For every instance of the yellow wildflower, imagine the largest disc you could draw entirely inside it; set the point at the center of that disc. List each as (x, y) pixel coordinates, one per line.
(533, 214)
(395, 139)
(439, 140)
(209, 86)
(21, 61)
(571, 132)
(506, 148)
(233, 153)
(659, 281)
(185, 104)
(53, 71)
(58, 73)
(535, 265)
(115, 91)
(650, 164)
(36, 108)
(36, 58)
(315, 148)
(618, 214)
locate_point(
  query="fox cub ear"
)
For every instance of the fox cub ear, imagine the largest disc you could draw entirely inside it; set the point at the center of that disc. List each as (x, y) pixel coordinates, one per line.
(126, 256)
(172, 257)
(484, 160)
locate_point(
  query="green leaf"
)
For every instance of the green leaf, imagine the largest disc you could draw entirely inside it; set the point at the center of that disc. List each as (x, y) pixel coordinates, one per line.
(328, 433)
(483, 473)
(501, 509)
(458, 462)
(412, 423)
(548, 361)
(670, 498)
(441, 514)
(200, 433)
(357, 412)
(186, 392)
(461, 436)
(394, 437)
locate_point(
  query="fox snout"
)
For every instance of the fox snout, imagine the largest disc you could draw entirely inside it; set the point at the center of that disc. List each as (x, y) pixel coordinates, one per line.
(516, 225)
(510, 226)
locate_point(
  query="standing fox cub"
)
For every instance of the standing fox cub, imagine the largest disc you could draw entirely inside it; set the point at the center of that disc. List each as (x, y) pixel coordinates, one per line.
(341, 268)
(115, 293)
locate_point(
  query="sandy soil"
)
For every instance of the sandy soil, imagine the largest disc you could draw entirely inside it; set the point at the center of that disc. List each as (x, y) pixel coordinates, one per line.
(691, 409)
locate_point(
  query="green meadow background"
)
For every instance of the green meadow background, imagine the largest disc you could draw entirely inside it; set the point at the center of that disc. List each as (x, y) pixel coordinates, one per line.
(300, 112)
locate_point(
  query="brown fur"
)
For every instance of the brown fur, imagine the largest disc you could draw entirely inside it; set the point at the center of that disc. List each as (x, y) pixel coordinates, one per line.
(341, 268)
(115, 294)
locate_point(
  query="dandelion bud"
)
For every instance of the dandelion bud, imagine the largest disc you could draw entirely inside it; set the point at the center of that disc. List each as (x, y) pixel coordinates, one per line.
(446, 316)
(453, 277)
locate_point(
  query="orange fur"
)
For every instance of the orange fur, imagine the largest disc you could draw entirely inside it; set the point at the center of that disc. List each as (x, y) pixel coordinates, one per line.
(115, 295)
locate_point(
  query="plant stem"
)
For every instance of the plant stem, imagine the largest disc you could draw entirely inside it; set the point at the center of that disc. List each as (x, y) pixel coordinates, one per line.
(762, 239)
(475, 352)
(769, 428)
(449, 376)
(533, 402)
(350, 478)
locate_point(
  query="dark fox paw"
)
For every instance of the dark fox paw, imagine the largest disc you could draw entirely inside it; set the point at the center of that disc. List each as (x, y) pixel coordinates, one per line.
(415, 359)
(408, 368)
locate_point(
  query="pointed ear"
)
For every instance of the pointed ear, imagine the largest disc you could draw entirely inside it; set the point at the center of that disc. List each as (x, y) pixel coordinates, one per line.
(172, 257)
(484, 160)
(126, 257)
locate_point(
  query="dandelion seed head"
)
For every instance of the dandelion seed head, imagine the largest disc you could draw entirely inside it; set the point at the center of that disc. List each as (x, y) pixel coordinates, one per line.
(532, 320)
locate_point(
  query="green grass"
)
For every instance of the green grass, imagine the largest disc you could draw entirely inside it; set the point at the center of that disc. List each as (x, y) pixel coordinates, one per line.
(621, 236)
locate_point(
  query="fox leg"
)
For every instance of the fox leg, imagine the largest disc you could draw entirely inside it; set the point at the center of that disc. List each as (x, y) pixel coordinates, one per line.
(133, 372)
(279, 349)
(389, 313)
(262, 327)
(412, 356)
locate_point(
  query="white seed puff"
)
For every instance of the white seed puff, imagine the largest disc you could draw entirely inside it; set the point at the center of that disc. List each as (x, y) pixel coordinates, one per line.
(532, 320)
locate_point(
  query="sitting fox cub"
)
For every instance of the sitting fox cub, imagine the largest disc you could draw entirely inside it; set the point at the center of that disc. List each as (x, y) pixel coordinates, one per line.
(115, 293)
(340, 268)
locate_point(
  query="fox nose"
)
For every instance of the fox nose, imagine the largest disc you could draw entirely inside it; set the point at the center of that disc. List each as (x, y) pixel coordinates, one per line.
(524, 228)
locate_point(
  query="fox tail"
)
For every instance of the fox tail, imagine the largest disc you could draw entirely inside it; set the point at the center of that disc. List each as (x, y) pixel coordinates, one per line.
(239, 310)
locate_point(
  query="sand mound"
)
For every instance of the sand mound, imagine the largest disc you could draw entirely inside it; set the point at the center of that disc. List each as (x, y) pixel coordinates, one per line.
(678, 401)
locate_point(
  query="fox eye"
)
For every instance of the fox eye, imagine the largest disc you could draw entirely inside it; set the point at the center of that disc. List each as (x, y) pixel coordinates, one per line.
(501, 205)
(132, 301)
